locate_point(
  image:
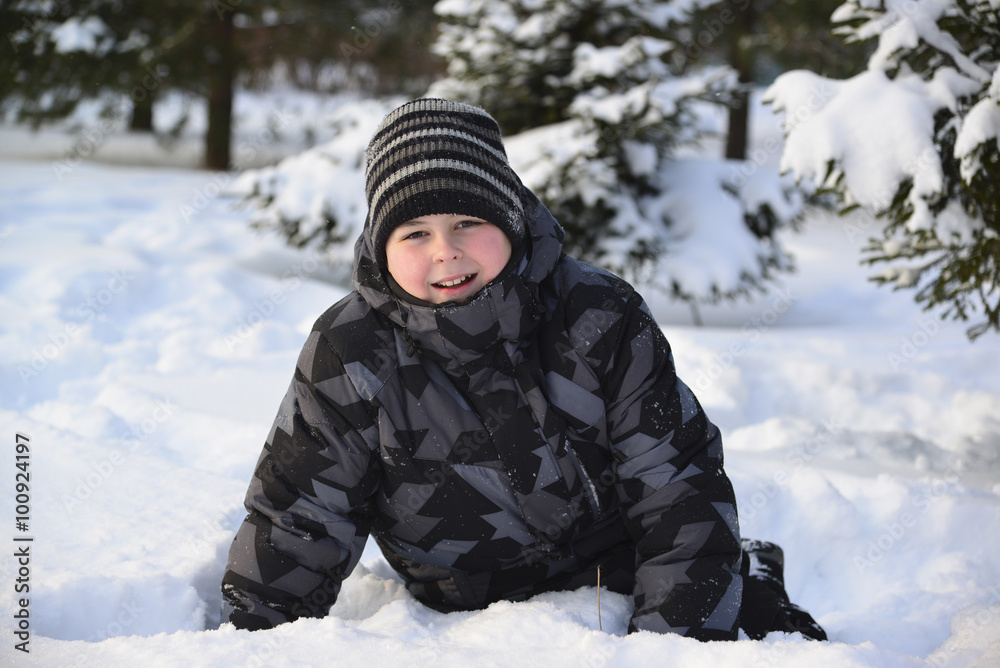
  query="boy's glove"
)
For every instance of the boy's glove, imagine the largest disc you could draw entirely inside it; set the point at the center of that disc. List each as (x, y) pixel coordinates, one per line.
(766, 606)
(794, 619)
(765, 610)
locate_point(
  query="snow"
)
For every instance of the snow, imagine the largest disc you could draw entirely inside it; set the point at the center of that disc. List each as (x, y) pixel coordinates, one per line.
(874, 132)
(81, 35)
(872, 137)
(897, 132)
(702, 203)
(609, 62)
(902, 27)
(708, 244)
(326, 182)
(981, 125)
(149, 335)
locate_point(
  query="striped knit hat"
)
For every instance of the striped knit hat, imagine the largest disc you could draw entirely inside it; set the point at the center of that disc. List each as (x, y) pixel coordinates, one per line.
(434, 156)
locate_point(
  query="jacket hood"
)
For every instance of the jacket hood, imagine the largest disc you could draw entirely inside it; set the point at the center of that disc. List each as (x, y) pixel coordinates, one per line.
(507, 309)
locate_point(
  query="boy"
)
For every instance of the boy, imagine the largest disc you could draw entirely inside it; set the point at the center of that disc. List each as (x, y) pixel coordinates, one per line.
(502, 419)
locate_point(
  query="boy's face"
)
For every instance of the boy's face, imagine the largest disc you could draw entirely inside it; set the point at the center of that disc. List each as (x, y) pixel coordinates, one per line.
(446, 257)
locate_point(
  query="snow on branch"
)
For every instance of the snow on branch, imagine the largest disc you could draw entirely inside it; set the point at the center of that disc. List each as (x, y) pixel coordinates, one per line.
(913, 140)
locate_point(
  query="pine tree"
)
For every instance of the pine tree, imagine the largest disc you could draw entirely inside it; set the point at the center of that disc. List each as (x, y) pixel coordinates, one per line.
(123, 54)
(64, 53)
(933, 86)
(126, 53)
(762, 38)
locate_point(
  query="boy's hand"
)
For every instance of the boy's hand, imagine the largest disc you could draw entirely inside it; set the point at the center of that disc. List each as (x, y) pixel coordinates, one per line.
(794, 619)
(765, 610)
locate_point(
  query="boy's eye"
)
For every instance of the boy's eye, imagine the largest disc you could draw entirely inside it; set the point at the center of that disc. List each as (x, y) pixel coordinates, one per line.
(468, 223)
(415, 235)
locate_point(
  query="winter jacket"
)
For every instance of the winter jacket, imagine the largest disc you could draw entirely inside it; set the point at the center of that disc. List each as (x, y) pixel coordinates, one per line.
(494, 450)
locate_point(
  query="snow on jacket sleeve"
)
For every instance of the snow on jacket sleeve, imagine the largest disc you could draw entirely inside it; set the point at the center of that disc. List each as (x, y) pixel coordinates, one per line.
(679, 505)
(307, 523)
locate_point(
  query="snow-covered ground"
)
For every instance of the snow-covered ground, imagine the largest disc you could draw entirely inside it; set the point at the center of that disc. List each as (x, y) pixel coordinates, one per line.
(147, 336)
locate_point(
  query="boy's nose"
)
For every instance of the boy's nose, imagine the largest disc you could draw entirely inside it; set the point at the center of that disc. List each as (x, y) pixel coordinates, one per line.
(445, 250)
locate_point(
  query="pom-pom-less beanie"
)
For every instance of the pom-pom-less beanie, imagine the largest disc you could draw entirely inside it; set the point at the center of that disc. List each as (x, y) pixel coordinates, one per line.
(433, 156)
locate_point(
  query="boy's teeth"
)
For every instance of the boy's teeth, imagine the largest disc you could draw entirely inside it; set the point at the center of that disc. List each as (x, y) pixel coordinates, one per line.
(448, 284)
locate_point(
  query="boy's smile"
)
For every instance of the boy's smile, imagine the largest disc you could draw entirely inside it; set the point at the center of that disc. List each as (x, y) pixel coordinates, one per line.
(446, 257)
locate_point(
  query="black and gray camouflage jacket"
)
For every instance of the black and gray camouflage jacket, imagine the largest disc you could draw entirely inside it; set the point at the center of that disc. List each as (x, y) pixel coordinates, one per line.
(494, 450)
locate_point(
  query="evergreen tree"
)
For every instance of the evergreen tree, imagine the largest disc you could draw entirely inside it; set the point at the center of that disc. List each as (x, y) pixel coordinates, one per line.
(126, 53)
(379, 48)
(760, 39)
(794, 34)
(67, 52)
(913, 141)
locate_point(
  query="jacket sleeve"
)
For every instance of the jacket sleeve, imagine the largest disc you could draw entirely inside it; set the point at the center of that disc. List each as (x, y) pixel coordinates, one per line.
(307, 501)
(678, 503)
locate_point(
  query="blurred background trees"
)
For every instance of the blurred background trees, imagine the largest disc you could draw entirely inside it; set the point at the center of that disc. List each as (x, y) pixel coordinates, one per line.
(760, 39)
(128, 53)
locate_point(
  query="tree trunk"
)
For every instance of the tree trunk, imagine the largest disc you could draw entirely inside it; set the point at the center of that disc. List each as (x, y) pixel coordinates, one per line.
(222, 72)
(739, 119)
(741, 58)
(142, 113)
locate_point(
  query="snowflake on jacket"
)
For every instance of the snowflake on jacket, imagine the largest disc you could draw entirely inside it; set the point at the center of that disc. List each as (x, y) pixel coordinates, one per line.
(496, 449)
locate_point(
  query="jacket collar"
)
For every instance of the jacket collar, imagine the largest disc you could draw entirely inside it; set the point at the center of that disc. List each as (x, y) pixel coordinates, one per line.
(507, 309)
